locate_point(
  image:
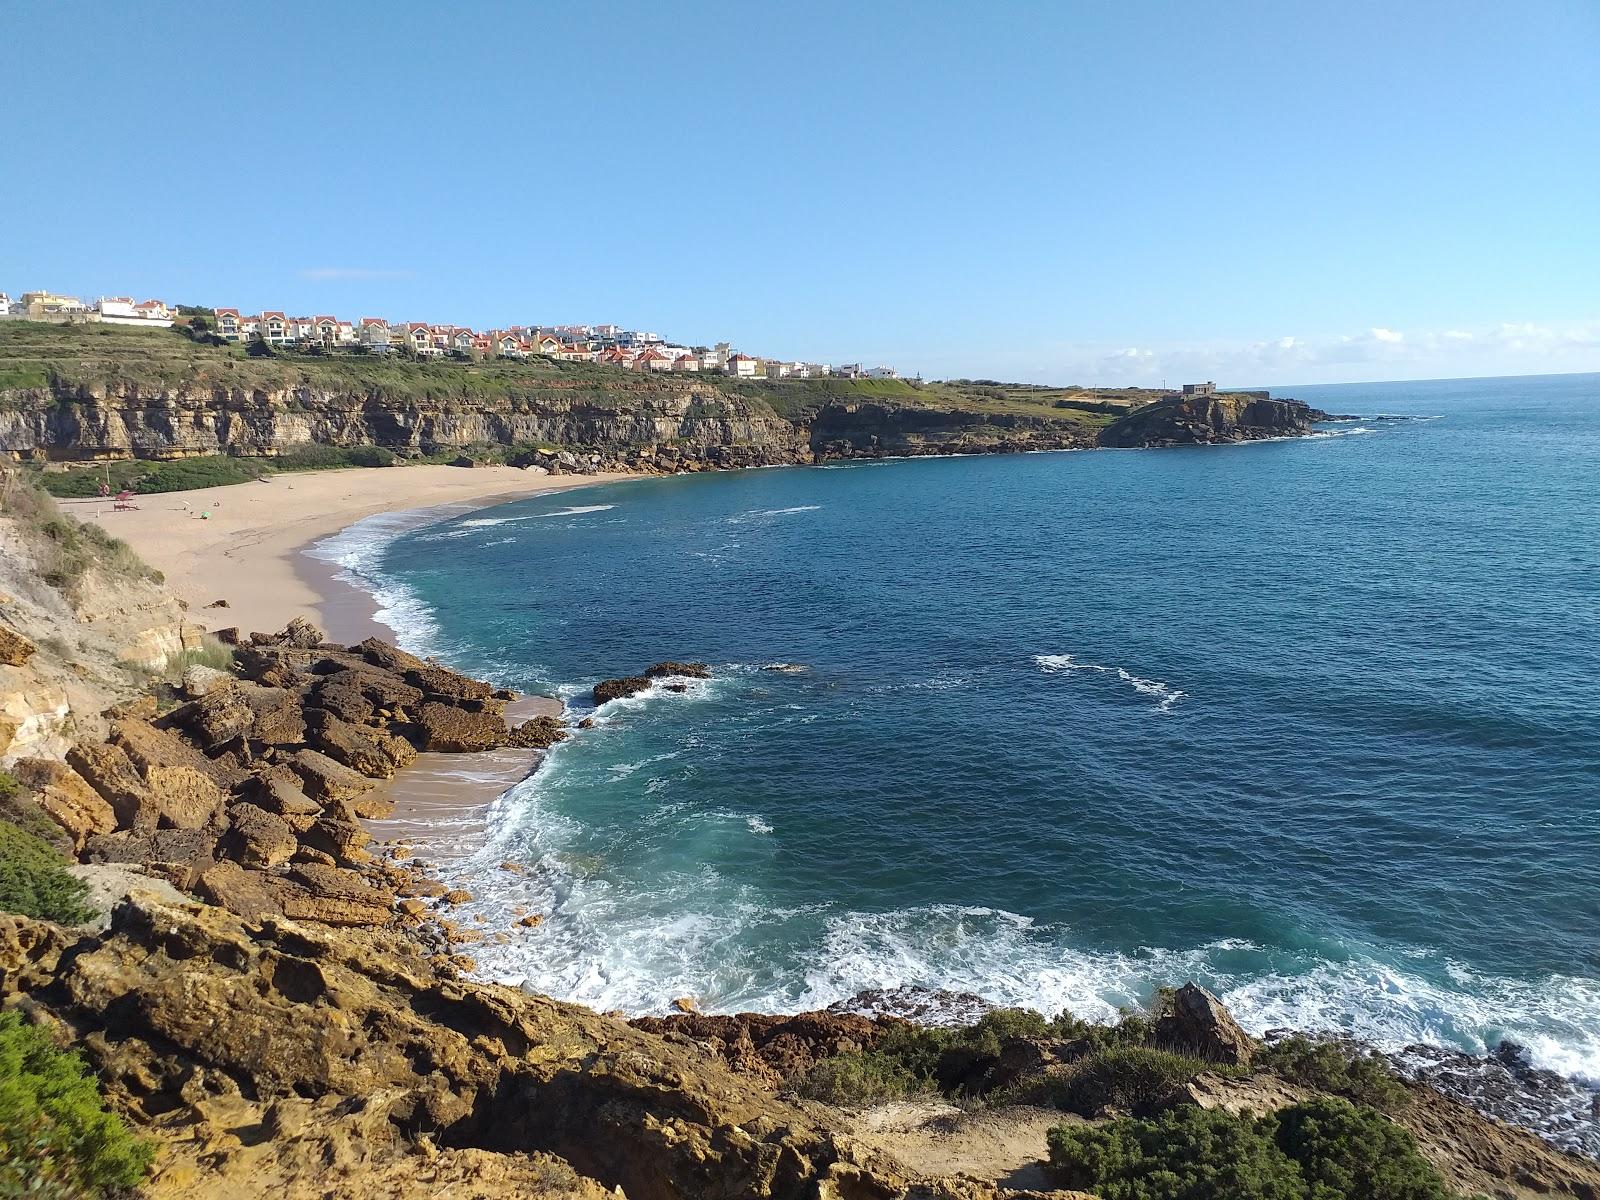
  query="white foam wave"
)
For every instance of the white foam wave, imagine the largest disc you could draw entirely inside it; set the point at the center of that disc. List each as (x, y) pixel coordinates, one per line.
(1164, 694)
(575, 510)
(761, 514)
(358, 551)
(758, 824)
(702, 937)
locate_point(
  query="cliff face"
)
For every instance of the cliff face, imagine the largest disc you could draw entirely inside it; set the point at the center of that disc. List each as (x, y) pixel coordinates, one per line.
(633, 424)
(130, 421)
(1205, 420)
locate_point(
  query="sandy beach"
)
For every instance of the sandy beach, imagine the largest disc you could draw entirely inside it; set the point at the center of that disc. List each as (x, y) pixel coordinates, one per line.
(247, 551)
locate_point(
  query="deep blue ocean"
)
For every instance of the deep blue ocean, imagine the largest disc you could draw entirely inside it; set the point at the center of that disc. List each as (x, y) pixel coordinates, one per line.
(1315, 722)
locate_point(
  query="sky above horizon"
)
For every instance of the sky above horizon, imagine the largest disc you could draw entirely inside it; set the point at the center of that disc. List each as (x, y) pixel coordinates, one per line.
(1098, 193)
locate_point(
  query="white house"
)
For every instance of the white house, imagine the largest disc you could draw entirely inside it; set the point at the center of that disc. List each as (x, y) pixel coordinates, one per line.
(276, 329)
(5, 305)
(741, 366)
(374, 335)
(881, 373)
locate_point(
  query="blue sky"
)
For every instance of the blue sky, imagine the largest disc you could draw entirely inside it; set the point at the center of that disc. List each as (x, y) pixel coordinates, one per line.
(1115, 192)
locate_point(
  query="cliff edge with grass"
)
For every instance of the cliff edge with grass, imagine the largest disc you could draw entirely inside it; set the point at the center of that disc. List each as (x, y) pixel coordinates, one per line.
(109, 394)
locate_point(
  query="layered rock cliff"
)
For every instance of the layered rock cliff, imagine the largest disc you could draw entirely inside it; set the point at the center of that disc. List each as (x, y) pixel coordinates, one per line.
(631, 423)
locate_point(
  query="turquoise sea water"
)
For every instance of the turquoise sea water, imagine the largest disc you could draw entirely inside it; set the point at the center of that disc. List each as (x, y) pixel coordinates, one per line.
(1316, 722)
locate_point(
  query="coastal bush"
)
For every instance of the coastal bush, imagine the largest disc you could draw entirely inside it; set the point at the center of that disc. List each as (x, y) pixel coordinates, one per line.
(148, 478)
(370, 456)
(1325, 1150)
(858, 1078)
(17, 807)
(1357, 1075)
(1129, 1079)
(34, 880)
(56, 1137)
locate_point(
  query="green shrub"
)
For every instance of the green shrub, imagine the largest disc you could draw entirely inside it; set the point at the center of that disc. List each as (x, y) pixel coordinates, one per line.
(1129, 1079)
(1360, 1076)
(370, 456)
(9, 787)
(1187, 1154)
(1347, 1150)
(53, 1122)
(34, 881)
(209, 653)
(858, 1078)
(1325, 1150)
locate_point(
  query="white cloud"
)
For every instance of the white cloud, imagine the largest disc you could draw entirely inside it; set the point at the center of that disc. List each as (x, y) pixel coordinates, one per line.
(1373, 353)
(325, 274)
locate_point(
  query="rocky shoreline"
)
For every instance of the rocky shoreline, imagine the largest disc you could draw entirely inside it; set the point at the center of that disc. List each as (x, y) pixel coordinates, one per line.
(312, 1026)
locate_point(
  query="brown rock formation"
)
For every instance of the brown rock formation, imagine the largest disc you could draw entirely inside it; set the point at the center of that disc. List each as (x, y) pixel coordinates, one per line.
(617, 689)
(1197, 1022)
(196, 1020)
(15, 649)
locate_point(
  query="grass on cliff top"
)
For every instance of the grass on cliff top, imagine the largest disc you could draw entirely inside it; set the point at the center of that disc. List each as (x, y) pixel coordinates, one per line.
(56, 1138)
(37, 355)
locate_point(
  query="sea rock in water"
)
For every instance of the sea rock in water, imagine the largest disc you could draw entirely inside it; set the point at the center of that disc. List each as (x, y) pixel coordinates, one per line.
(538, 733)
(617, 689)
(1203, 420)
(925, 1006)
(688, 670)
(1197, 1022)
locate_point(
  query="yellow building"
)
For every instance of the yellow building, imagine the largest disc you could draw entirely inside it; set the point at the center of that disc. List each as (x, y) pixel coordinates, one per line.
(44, 306)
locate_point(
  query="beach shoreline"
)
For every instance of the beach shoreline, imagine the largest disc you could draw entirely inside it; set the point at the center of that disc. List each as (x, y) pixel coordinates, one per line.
(250, 547)
(252, 550)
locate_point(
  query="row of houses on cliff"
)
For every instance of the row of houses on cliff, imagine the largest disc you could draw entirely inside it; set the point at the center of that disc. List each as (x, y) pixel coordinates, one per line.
(611, 345)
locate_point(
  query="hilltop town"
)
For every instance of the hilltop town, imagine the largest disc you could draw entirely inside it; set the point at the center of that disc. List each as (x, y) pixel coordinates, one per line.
(611, 345)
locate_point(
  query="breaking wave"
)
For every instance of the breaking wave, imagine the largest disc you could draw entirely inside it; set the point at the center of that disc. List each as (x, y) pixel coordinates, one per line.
(1164, 694)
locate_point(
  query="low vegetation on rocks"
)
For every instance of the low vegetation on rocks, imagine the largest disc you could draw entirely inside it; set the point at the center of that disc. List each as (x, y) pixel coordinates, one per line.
(67, 548)
(57, 1141)
(1326, 1066)
(1325, 1149)
(34, 880)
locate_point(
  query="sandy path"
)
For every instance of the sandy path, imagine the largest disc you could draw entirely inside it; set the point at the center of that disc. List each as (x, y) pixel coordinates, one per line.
(247, 551)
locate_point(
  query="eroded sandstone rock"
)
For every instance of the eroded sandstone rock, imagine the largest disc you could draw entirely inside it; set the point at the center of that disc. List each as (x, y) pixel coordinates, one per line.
(67, 797)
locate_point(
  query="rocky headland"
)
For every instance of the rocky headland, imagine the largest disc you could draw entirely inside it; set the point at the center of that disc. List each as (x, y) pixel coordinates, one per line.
(1212, 420)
